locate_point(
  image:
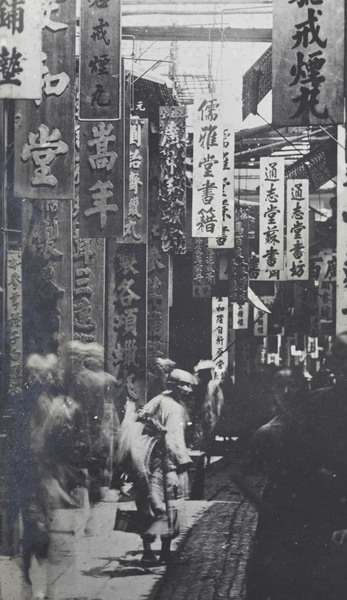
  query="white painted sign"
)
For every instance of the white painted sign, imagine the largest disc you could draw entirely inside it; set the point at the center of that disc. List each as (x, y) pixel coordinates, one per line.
(207, 212)
(271, 213)
(20, 49)
(297, 229)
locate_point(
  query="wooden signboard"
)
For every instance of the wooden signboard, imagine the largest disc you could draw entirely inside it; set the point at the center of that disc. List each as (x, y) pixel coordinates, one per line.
(47, 274)
(100, 60)
(20, 49)
(44, 129)
(136, 198)
(101, 179)
(127, 317)
(14, 302)
(308, 62)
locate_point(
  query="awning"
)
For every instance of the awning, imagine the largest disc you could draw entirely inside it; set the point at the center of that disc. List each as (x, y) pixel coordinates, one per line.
(257, 303)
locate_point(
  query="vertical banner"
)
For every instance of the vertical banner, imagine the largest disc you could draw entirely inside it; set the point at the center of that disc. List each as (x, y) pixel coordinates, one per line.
(219, 333)
(20, 49)
(228, 204)
(44, 129)
(136, 200)
(88, 273)
(207, 214)
(308, 62)
(238, 282)
(158, 304)
(341, 234)
(15, 321)
(172, 184)
(260, 322)
(47, 274)
(240, 315)
(100, 60)
(271, 213)
(101, 179)
(297, 229)
(325, 274)
(204, 269)
(127, 317)
(88, 286)
(255, 273)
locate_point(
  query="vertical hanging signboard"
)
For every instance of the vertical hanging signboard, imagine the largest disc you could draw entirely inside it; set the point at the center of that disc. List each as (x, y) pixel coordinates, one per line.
(20, 49)
(47, 274)
(88, 286)
(100, 64)
(341, 233)
(172, 189)
(136, 198)
(207, 214)
(88, 273)
(127, 316)
(271, 213)
(308, 62)
(238, 281)
(260, 323)
(204, 269)
(15, 321)
(44, 129)
(228, 204)
(101, 179)
(219, 332)
(240, 315)
(297, 229)
(255, 273)
(158, 304)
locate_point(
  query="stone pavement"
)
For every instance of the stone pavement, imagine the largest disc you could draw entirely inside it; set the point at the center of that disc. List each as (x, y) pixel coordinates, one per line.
(208, 558)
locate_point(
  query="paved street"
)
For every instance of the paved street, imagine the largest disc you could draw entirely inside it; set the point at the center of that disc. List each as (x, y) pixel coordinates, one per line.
(208, 558)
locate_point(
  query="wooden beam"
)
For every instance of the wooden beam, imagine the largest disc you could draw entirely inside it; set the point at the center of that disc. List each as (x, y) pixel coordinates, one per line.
(199, 34)
(228, 3)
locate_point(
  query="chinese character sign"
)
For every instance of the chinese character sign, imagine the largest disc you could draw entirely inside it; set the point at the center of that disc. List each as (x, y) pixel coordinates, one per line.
(240, 315)
(20, 49)
(172, 190)
(308, 62)
(297, 229)
(100, 60)
(238, 281)
(204, 268)
(44, 128)
(88, 286)
(228, 205)
(101, 179)
(158, 303)
(47, 273)
(271, 213)
(257, 274)
(136, 200)
(15, 320)
(127, 315)
(260, 323)
(207, 214)
(219, 332)
(323, 273)
(341, 247)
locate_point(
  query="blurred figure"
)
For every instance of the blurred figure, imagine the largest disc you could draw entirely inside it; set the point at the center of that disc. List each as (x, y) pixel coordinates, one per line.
(41, 478)
(96, 422)
(152, 449)
(157, 380)
(208, 404)
(299, 549)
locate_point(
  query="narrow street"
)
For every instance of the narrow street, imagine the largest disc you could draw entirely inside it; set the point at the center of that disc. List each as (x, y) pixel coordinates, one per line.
(208, 558)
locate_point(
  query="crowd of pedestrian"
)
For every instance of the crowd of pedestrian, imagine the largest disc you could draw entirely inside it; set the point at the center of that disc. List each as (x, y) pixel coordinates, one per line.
(67, 443)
